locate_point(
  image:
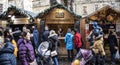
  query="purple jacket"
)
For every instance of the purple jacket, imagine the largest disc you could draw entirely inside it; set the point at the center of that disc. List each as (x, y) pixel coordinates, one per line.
(25, 52)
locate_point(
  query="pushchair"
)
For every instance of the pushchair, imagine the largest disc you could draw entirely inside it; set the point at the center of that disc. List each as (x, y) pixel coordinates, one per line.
(45, 54)
(85, 56)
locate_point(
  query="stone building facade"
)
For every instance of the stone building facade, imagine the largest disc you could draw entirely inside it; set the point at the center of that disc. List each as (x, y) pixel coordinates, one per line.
(80, 7)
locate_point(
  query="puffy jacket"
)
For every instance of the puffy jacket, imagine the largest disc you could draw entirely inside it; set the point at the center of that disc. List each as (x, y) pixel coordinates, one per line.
(98, 47)
(69, 41)
(77, 40)
(36, 38)
(6, 55)
(25, 52)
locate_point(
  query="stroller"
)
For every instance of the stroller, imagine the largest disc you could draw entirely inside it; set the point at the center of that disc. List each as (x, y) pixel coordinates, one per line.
(85, 56)
(45, 54)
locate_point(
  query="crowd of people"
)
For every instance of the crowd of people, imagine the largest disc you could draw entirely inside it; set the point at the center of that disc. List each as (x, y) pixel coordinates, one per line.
(24, 47)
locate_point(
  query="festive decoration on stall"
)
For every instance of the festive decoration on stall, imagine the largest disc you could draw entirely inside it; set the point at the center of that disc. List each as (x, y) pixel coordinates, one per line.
(45, 12)
(105, 14)
(17, 12)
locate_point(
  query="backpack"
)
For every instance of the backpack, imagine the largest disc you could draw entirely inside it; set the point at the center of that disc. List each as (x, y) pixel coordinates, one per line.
(43, 49)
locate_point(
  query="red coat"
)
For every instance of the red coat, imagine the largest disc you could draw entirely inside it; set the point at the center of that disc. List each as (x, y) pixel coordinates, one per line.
(77, 40)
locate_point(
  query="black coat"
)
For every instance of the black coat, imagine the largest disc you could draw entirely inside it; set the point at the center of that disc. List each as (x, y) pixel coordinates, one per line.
(54, 43)
(45, 35)
(6, 55)
(112, 40)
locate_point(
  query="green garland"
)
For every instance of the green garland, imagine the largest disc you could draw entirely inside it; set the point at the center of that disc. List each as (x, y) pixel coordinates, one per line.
(56, 6)
(18, 11)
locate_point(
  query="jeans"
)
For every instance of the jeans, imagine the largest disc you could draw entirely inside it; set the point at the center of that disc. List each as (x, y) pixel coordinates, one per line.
(55, 59)
(70, 55)
(77, 49)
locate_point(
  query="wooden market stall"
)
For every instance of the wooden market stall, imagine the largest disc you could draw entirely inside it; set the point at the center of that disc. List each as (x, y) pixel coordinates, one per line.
(107, 17)
(58, 16)
(16, 17)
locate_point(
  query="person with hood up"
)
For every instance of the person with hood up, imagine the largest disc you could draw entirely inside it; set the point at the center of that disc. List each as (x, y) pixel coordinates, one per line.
(6, 53)
(54, 43)
(69, 44)
(96, 29)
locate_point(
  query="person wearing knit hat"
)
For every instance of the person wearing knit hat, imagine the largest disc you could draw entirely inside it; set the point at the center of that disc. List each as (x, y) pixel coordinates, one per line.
(54, 43)
(52, 33)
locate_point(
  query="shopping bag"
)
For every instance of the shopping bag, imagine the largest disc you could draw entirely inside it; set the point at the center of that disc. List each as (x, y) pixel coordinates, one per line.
(54, 53)
(117, 55)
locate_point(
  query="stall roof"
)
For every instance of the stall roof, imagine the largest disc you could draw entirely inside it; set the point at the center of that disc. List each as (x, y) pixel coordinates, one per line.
(13, 10)
(105, 11)
(45, 12)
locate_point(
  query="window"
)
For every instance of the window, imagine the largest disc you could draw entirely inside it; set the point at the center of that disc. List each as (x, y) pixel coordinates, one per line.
(1, 8)
(96, 7)
(84, 10)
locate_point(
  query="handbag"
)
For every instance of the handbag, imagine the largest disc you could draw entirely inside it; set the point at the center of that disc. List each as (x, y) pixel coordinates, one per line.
(54, 53)
(117, 55)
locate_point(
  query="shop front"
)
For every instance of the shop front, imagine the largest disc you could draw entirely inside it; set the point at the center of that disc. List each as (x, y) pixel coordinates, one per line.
(16, 17)
(59, 17)
(108, 18)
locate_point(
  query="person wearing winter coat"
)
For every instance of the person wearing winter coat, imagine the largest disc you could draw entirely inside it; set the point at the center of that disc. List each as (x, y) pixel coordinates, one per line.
(6, 53)
(69, 44)
(98, 46)
(54, 43)
(46, 34)
(77, 40)
(98, 50)
(113, 44)
(36, 37)
(25, 49)
(8, 34)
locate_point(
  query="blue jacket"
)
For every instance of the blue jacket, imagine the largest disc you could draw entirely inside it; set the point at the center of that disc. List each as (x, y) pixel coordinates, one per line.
(36, 38)
(6, 55)
(69, 41)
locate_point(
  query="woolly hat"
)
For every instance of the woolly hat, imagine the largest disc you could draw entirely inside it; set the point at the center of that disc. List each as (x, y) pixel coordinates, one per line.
(52, 33)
